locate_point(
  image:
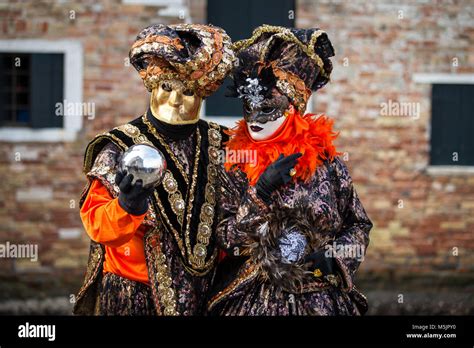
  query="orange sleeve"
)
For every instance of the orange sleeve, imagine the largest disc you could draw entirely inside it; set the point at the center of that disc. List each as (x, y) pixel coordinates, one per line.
(105, 221)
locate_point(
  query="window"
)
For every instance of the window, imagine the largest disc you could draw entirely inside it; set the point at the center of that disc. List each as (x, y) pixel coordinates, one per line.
(35, 75)
(452, 107)
(31, 86)
(238, 19)
(452, 125)
(15, 88)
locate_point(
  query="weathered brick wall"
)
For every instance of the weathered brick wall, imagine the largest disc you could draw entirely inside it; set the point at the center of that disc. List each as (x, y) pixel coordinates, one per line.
(418, 218)
(377, 53)
(39, 193)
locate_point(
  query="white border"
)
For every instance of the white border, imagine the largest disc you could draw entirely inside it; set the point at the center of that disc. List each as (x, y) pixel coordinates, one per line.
(73, 82)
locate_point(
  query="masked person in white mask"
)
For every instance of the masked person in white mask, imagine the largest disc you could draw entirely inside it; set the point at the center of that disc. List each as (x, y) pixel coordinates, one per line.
(285, 218)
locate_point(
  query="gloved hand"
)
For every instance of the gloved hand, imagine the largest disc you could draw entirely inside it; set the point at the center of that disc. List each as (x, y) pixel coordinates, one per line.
(276, 175)
(133, 198)
(319, 261)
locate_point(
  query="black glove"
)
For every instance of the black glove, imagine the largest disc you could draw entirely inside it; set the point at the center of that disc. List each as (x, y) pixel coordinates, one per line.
(133, 198)
(318, 260)
(276, 175)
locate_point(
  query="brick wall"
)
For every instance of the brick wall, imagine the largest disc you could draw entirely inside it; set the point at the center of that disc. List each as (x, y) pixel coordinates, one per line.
(419, 218)
(39, 194)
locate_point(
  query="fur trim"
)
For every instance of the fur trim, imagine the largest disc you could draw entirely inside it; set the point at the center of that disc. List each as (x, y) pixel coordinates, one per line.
(264, 250)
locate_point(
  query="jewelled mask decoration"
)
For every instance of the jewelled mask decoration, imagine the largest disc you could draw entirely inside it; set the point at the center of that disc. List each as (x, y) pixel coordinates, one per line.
(264, 115)
(264, 120)
(252, 92)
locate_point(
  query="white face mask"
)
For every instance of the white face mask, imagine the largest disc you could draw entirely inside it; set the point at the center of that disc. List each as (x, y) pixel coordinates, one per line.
(263, 131)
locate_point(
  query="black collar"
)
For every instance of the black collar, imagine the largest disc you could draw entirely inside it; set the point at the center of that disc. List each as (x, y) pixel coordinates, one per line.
(171, 131)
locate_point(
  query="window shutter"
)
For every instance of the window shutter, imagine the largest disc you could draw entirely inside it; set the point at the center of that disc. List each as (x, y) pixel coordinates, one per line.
(46, 89)
(5, 93)
(452, 124)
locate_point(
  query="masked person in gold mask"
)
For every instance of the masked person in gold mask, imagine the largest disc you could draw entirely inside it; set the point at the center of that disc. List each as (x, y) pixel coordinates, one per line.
(153, 250)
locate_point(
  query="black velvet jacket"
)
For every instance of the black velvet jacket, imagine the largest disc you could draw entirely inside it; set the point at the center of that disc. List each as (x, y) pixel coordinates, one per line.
(180, 251)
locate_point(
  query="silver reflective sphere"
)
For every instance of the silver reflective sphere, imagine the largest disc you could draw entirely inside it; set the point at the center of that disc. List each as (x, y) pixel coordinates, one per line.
(292, 245)
(144, 162)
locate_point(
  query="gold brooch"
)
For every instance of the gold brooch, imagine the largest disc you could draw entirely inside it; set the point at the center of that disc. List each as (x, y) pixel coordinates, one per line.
(317, 273)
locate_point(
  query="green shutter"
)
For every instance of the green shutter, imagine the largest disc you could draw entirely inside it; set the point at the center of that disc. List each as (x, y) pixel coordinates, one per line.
(452, 124)
(46, 89)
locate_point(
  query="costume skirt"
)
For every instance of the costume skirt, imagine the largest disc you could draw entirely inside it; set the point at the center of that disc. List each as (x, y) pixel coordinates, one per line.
(121, 296)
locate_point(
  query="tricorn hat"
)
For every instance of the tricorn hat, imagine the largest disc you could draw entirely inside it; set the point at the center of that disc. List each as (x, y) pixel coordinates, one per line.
(295, 61)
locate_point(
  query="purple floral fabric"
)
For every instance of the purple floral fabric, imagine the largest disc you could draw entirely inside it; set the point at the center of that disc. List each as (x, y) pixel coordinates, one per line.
(326, 210)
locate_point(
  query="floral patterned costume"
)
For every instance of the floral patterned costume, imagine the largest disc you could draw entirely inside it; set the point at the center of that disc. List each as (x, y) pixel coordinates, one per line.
(268, 241)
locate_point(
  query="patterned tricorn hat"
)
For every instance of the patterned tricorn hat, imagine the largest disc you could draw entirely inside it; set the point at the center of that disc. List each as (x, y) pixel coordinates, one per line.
(295, 61)
(198, 55)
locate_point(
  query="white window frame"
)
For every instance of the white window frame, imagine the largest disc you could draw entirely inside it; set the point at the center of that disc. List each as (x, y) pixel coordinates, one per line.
(440, 78)
(72, 92)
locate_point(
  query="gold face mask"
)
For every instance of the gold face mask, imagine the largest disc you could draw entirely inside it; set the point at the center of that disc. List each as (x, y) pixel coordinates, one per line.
(172, 103)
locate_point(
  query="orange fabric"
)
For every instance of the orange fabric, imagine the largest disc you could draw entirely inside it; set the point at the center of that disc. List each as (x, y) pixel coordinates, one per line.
(311, 136)
(122, 233)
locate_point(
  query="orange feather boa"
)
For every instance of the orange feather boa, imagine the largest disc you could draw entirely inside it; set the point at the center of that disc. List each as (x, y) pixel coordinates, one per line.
(312, 136)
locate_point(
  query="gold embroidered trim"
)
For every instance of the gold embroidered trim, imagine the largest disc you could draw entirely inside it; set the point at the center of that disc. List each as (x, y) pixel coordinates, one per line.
(246, 275)
(88, 162)
(178, 239)
(196, 255)
(206, 216)
(165, 292)
(134, 133)
(163, 143)
(174, 196)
